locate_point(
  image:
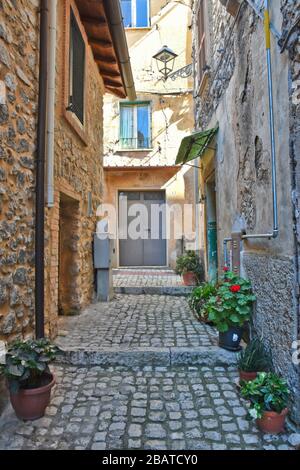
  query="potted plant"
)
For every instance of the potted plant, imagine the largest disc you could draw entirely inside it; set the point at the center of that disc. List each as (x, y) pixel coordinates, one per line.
(230, 308)
(28, 376)
(190, 267)
(199, 298)
(268, 395)
(253, 359)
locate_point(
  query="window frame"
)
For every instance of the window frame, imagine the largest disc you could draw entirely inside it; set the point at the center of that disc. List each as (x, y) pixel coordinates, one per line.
(135, 105)
(71, 71)
(201, 43)
(79, 128)
(133, 16)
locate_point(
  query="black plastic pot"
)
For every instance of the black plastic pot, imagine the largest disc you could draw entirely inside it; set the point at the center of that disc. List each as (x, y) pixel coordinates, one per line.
(231, 339)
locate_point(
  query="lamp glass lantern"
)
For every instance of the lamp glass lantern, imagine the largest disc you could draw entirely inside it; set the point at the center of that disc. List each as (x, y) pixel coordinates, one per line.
(165, 59)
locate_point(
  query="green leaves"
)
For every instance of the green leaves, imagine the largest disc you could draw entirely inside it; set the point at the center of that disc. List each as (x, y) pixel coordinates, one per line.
(199, 298)
(190, 262)
(16, 370)
(254, 358)
(268, 392)
(26, 361)
(232, 303)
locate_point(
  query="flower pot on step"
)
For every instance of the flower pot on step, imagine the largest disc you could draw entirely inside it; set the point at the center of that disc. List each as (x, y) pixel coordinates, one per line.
(231, 339)
(30, 404)
(247, 376)
(189, 279)
(272, 422)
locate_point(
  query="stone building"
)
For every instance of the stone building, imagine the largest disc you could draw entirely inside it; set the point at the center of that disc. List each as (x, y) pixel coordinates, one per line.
(87, 58)
(235, 176)
(142, 138)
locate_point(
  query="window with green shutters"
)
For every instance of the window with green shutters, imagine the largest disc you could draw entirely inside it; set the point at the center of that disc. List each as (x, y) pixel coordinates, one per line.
(77, 67)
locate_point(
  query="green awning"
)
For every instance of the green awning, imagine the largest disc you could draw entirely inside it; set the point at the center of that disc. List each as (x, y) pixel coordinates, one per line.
(194, 145)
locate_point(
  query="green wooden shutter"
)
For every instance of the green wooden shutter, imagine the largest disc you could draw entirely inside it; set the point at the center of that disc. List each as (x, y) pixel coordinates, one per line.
(78, 65)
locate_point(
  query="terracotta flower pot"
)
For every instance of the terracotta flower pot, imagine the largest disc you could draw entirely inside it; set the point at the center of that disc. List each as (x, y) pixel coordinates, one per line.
(272, 422)
(31, 403)
(189, 279)
(247, 376)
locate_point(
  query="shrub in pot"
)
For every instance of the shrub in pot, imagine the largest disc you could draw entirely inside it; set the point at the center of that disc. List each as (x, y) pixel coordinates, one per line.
(28, 376)
(268, 395)
(253, 359)
(190, 267)
(199, 298)
(230, 308)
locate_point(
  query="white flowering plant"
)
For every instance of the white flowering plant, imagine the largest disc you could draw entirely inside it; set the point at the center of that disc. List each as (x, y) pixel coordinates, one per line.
(27, 363)
(268, 392)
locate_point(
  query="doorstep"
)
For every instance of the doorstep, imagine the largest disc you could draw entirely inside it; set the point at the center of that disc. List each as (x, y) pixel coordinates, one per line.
(139, 357)
(154, 290)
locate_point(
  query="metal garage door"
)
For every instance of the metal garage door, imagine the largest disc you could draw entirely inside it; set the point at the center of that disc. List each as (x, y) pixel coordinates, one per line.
(149, 246)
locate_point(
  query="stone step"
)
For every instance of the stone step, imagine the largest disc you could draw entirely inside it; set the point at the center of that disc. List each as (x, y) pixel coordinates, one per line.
(155, 290)
(139, 357)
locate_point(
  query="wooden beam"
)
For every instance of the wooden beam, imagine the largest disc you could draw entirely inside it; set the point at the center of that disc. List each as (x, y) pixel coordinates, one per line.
(113, 84)
(116, 92)
(100, 42)
(100, 21)
(100, 59)
(108, 72)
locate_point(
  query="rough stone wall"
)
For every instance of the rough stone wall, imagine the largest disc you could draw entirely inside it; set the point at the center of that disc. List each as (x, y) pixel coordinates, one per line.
(239, 103)
(18, 103)
(273, 281)
(78, 171)
(291, 43)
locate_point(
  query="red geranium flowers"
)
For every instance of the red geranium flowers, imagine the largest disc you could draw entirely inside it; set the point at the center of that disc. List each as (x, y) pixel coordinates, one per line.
(235, 288)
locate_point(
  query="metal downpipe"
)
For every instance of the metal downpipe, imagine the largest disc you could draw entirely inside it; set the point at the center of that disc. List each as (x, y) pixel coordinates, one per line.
(51, 102)
(275, 232)
(40, 173)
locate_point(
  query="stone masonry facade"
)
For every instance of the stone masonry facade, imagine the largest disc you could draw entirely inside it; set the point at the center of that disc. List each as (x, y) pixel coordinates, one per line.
(78, 174)
(18, 103)
(235, 97)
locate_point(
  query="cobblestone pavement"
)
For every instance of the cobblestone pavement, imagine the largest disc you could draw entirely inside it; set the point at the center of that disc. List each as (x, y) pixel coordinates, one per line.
(184, 408)
(145, 278)
(136, 321)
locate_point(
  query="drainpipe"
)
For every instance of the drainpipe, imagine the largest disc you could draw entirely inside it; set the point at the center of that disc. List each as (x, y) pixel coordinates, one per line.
(196, 199)
(40, 172)
(51, 102)
(115, 20)
(275, 231)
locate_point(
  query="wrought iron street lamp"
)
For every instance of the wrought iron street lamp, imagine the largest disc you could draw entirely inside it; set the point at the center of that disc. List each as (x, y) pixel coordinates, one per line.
(165, 59)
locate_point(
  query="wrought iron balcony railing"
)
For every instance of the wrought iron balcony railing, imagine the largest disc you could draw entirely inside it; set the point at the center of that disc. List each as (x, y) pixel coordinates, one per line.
(135, 143)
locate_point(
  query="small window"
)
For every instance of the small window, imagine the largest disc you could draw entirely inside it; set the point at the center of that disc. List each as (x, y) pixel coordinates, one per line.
(201, 41)
(135, 126)
(77, 65)
(135, 13)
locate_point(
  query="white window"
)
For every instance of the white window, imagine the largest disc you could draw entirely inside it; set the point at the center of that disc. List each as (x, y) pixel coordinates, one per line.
(135, 13)
(135, 125)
